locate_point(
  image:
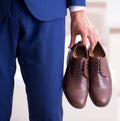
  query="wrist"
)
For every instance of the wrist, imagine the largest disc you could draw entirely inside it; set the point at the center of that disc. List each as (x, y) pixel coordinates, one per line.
(75, 14)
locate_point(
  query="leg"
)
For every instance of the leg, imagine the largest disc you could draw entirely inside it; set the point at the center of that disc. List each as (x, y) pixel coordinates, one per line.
(41, 55)
(8, 44)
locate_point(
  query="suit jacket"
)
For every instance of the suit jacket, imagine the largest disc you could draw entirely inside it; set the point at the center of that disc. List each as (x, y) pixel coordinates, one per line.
(44, 10)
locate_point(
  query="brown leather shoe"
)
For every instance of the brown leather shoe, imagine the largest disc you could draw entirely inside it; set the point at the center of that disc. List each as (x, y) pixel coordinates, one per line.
(100, 84)
(75, 81)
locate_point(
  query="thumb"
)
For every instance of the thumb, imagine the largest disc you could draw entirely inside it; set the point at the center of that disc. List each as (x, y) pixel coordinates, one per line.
(72, 42)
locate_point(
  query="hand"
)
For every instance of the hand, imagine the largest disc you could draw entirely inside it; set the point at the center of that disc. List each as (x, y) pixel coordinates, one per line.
(80, 25)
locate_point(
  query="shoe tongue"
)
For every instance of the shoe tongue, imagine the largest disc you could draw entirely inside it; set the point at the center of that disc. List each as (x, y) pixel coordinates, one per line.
(80, 60)
(95, 58)
(98, 58)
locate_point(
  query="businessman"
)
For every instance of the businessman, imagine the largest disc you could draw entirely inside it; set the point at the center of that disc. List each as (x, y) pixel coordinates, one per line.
(33, 31)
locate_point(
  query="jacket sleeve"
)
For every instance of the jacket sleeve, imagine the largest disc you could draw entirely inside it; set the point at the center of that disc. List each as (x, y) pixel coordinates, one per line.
(75, 3)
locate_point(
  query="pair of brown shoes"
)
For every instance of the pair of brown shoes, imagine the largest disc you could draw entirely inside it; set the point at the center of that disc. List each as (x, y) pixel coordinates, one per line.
(87, 74)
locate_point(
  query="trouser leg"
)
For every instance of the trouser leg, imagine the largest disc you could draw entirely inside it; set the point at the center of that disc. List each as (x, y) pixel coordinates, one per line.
(8, 45)
(41, 56)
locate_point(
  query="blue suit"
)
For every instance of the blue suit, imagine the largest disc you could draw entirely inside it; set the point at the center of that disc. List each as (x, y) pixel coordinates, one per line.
(34, 33)
(44, 9)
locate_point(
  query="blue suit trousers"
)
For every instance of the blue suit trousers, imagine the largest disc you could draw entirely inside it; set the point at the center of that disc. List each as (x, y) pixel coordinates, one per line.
(39, 48)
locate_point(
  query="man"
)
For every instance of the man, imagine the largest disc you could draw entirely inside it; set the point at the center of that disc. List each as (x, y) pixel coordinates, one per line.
(34, 32)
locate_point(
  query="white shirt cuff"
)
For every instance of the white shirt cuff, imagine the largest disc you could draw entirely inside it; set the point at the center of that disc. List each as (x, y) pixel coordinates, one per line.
(76, 8)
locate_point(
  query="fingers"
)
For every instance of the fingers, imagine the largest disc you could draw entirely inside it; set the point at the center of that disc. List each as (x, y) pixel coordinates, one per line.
(84, 40)
(93, 39)
(86, 32)
(73, 39)
(72, 42)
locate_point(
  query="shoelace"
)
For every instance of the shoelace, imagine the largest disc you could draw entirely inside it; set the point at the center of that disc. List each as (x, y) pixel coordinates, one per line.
(96, 66)
(82, 67)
